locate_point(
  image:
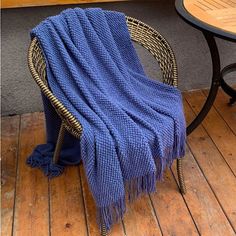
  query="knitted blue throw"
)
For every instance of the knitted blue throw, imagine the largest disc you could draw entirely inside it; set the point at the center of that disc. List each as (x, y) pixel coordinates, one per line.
(133, 127)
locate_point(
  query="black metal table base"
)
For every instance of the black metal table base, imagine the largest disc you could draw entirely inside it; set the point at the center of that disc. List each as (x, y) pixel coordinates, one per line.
(217, 80)
(227, 89)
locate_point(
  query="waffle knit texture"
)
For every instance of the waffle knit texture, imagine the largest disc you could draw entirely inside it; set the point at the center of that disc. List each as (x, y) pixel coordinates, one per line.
(133, 127)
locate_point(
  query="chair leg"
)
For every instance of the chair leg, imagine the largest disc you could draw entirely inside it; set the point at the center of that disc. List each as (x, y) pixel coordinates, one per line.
(59, 143)
(104, 231)
(181, 176)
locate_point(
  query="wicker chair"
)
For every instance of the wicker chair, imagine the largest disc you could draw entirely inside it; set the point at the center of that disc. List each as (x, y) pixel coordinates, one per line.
(141, 33)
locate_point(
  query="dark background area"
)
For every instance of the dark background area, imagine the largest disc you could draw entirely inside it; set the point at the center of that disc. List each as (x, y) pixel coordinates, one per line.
(20, 94)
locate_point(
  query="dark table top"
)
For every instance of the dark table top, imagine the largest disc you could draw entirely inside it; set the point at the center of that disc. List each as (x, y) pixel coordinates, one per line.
(215, 16)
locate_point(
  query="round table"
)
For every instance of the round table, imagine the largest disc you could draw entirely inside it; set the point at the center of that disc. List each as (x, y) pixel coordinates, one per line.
(214, 18)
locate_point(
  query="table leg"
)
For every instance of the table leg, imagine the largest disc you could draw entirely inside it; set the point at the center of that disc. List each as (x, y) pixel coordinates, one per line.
(215, 82)
(227, 89)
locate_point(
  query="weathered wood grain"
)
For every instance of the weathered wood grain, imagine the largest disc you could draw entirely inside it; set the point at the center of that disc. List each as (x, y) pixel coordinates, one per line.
(66, 204)
(31, 207)
(140, 219)
(171, 209)
(218, 130)
(202, 203)
(216, 170)
(9, 148)
(227, 112)
(33, 3)
(218, 13)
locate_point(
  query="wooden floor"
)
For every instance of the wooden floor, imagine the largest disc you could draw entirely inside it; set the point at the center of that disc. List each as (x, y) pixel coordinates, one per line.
(33, 205)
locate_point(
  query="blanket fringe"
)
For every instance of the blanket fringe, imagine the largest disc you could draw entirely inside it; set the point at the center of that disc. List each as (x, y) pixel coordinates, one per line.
(179, 146)
(107, 216)
(171, 154)
(43, 160)
(137, 186)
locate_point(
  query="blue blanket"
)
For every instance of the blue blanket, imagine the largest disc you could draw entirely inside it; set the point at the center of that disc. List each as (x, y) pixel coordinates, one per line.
(133, 127)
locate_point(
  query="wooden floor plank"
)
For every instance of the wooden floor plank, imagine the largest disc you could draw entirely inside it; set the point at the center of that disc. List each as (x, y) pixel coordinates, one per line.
(9, 146)
(215, 169)
(117, 230)
(140, 219)
(66, 204)
(171, 209)
(204, 207)
(227, 112)
(31, 207)
(217, 129)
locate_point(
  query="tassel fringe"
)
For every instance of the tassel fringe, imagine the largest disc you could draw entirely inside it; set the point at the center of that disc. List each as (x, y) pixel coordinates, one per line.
(42, 159)
(109, 215)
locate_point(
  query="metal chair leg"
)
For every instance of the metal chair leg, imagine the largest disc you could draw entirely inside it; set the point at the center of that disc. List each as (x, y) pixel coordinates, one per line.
(60, 140)
(104, 231)
(181, 176)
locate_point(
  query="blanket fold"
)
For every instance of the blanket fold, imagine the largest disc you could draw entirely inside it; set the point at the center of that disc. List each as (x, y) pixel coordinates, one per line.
(133, 127)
